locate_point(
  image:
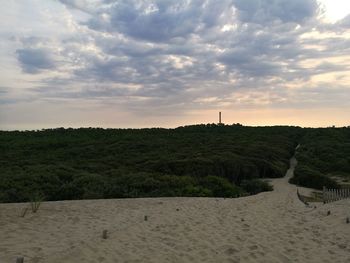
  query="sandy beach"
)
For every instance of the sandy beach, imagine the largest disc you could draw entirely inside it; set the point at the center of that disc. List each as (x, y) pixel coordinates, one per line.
(268, 227)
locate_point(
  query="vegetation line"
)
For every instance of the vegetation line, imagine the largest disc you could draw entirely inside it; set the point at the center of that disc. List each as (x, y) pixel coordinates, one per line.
(200, 160)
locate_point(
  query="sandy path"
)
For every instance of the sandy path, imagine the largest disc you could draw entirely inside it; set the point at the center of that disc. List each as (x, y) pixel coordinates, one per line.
(268, 227)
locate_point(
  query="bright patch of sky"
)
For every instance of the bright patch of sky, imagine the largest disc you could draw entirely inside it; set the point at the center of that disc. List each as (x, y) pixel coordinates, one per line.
(336, 10)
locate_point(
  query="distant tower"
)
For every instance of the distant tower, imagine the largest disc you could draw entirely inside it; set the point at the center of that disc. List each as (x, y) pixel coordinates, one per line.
(219, 117)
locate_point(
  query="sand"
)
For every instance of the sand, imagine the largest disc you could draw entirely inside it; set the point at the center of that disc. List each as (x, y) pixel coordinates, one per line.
(268, 227)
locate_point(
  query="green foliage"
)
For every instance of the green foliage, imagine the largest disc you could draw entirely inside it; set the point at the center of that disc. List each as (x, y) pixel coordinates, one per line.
(219, 187)
(35, 201)
(323, 155)
(256, 186)
(306, 176)
(199, 160)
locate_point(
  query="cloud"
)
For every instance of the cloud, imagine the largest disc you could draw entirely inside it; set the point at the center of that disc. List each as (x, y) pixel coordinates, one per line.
(153, 42)
(82, 5)
(267, 12)
(187, 54)
(34, 61)
(345, 22)
(3, 90)
(158, 21)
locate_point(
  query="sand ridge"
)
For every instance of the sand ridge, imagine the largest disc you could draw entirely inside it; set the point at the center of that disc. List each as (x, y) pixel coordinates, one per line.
(268, 227)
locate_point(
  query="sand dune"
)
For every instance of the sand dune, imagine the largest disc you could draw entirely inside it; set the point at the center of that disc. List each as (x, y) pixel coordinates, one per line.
(268, 227)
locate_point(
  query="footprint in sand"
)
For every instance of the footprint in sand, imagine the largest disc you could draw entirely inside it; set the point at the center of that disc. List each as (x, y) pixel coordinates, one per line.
(231, 251)
(36, 249)
(331, 252)
(252, 254)
(254, 247)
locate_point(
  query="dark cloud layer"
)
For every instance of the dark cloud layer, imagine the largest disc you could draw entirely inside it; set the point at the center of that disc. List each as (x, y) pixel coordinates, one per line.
(267, 12)
(34, 60)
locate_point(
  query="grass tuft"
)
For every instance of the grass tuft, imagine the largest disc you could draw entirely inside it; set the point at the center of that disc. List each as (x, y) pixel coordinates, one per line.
(35, 202)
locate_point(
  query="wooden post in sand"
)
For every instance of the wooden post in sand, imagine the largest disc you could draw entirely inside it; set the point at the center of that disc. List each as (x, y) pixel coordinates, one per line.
(20, 260)
(339, 194)
(324, 194)
(336, 194)
(104, 234)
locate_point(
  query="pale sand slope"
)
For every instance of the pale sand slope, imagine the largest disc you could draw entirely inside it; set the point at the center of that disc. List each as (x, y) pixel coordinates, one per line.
(268, 227)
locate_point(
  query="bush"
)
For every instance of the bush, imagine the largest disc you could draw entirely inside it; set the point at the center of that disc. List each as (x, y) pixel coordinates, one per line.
(306, 176)
(219, 186)
(198, 160)
(256, 186)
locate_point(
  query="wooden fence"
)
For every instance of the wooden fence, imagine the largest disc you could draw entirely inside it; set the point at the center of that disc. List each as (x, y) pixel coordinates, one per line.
(331, 195)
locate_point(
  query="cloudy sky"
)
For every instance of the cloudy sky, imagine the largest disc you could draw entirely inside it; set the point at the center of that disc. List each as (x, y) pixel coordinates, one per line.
(165, 63)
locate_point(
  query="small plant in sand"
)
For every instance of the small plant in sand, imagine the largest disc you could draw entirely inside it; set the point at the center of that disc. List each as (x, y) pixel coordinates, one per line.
(24, 212)
(35, 202)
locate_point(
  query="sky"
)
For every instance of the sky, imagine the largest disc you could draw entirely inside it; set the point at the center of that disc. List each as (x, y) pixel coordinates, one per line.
(167, 63)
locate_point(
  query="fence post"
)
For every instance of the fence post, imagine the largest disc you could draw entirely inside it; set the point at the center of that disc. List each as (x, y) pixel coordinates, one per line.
(104, 234)
(336, 194)
(330, 195)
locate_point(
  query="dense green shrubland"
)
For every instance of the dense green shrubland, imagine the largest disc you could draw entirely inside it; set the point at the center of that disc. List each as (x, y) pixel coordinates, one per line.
(324, 158)
(200, 160)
